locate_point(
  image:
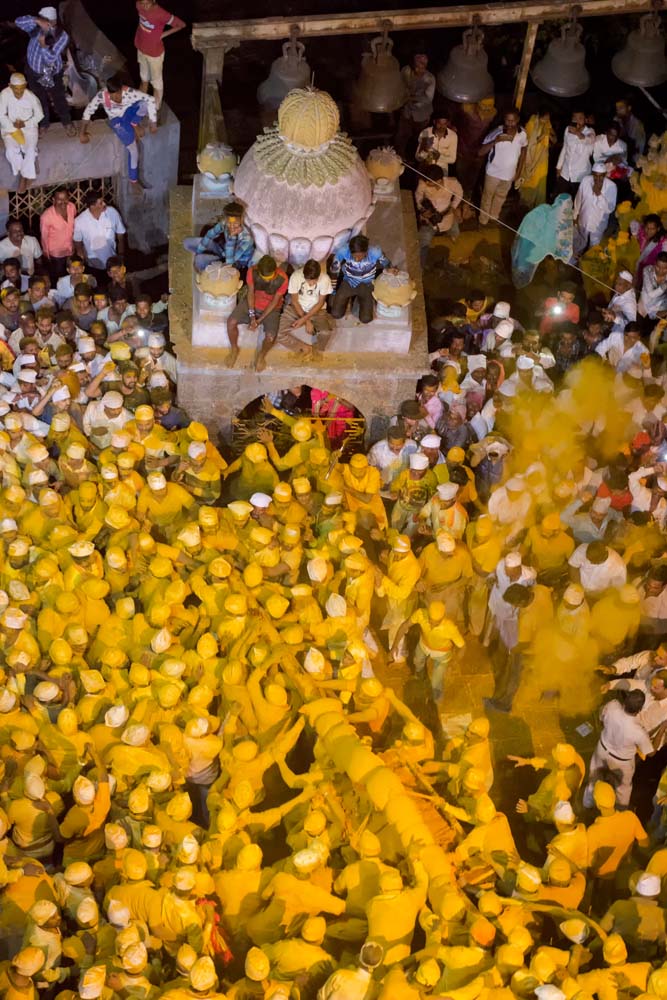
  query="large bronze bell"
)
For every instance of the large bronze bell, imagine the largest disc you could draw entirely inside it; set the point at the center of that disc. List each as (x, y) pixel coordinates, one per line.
(465, 77)
(289, 72)
(563, 71)
(380, 87)
(642, 62)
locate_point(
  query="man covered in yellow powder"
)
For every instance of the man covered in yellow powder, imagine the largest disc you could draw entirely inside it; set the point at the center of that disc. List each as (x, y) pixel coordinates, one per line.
(361, 489)
(397, 585)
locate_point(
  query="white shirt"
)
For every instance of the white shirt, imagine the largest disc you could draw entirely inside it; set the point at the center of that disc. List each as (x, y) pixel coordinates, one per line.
(641, 494)
(98, 235)
(95, 416)
(653, 297)
(26, 108)
(65, 287)
(129, 96)
(503, 159)
(597, 578)
(505, 511)
(624, 307)
(574, 161)
(602, 150)
(389, 463)
(346, 984)
(439, 149)
(613, 349)
(307, 292)
(28, 252)
(593, 210)
(622, 734)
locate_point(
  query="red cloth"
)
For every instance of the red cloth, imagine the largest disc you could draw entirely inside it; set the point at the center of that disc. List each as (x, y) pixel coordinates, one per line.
(569, 314)
(620, 499)
(152, 22)
(266, 289)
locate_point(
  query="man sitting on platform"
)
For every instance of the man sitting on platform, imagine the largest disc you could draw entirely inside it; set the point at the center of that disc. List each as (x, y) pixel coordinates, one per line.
(357, 266)
(259, 305)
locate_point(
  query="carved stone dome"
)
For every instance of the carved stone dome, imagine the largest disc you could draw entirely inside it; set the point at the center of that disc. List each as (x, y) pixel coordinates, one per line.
(308, 118)
(302, 182)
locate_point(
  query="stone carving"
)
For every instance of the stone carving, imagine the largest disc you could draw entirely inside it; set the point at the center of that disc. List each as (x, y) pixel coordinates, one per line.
(304, 186)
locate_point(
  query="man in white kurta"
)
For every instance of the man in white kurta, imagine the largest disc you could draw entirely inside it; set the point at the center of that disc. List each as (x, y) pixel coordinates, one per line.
(20, 115)
(593, 205)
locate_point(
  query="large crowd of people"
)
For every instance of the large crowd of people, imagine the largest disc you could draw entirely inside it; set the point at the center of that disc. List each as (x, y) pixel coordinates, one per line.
(208, 788)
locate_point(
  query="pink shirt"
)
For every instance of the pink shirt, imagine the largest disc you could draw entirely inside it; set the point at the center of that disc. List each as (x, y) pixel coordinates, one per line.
(57, 233)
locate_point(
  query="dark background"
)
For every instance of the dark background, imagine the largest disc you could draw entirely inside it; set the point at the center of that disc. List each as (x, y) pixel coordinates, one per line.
(335, 62)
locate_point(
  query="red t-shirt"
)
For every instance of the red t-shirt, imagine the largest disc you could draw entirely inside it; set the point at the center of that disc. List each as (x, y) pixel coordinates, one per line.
(569, 314)
(152, 22)
(266, 289)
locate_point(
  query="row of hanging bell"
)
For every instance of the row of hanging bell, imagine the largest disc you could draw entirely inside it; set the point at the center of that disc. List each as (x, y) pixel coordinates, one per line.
(562, 72)
(380, 87)
(288, 72)
(642, 62)
(465, 77)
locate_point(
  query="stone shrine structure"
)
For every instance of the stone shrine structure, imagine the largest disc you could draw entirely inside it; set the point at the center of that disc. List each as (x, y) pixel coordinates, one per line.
(306, 192)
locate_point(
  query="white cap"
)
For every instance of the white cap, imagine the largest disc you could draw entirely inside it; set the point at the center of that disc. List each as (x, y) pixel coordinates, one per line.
(81, 549)
(83, 791)
(563, 812)
(476, 361)
(156, 340)
(156, 480)
(418, 461)
(336, 606)
(599, 168)
(447, 491)
(85, 344)
(431, 441)
(515, 484)
(313, 662)
(648, 884)
(574, 595)
(27, 375)
(513, 560)
(524, 364)
(501, 310)
(112, 400)
(261, 500)
(549, 992)
(196, 449)
(61, 393)
(504, 329)
(626, 276)
(49, 13)
(17, 80)
(116, 716)
(332, 499)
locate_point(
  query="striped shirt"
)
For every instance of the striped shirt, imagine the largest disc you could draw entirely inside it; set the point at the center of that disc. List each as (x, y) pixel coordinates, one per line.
(359, 272)
(43, 61)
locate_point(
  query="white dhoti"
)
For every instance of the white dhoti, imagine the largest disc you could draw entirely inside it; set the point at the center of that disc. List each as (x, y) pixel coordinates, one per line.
(605, 765)
(21, 156)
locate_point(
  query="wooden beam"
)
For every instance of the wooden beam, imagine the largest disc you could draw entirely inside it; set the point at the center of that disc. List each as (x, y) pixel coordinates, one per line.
(524, 66)
(211, 119)
(210, 34)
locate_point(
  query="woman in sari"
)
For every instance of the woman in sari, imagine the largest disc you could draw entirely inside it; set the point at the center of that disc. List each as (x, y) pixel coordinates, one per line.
(541, 136)
(652, 240)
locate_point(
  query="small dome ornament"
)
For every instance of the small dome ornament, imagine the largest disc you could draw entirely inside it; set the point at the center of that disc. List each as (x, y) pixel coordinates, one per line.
(308, 118)
(219, 284)
(216, 160)
(384, 163)
(393, 291)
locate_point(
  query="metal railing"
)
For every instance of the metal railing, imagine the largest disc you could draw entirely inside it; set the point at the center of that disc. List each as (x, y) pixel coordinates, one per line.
(31, 203)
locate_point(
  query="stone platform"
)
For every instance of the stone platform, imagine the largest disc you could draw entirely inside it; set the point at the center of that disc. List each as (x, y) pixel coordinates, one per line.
(374, 367)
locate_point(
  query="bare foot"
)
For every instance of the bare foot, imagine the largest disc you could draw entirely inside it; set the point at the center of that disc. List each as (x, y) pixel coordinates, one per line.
(260, 364)
(232, 355)
(23, 186)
